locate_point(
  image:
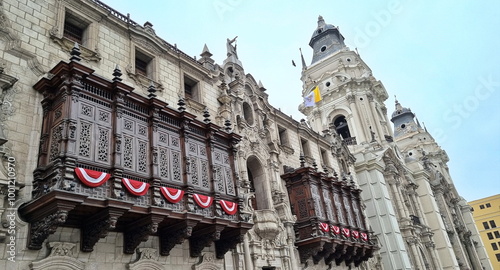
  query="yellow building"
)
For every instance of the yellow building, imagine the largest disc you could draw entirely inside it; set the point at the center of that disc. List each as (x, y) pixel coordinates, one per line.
(487, 218)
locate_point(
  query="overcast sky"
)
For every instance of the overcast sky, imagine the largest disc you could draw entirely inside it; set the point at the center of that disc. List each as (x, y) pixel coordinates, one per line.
(441, 59)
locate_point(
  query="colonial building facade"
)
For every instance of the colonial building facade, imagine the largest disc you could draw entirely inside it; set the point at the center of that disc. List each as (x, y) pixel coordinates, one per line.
(120, 151)
(420, 220)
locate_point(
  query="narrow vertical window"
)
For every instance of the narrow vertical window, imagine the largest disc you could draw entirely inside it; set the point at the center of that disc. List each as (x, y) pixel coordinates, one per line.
(191, 88)
(143, 64)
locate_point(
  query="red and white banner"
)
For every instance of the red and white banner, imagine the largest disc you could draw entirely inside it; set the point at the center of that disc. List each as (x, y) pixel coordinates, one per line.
(335, 229)
(172, 195)
(364, 236)
(202, 200)
(229, 207)
(324, 226)
(135, 187)
(355, 234)
(92, 178)
(346, 232)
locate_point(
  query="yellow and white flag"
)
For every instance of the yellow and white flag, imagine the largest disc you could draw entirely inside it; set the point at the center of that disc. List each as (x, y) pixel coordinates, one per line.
(312, 98)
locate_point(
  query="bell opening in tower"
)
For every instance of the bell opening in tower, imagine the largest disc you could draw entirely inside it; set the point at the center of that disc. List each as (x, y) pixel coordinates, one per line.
(341, 127)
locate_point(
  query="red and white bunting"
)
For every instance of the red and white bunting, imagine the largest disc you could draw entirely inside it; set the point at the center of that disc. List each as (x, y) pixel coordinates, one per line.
(172, 195)
(135, 187)
(364, 236)
(202, 200)
(324, 226)
(355, 234)
(92, 178)
(229, 207)
(335, 229)
(346, 232)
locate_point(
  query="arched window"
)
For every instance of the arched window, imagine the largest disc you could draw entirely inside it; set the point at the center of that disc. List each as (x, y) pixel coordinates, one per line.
(257, 179)
(248, 113)
(342, 127)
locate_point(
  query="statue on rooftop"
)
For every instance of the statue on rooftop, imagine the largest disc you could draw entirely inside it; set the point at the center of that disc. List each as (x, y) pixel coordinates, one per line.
(231, 50)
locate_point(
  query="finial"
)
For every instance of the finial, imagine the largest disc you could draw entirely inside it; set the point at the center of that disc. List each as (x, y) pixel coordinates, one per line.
(261, 86)
(304, 66)
(75, 53)
(206, 115)
(117, 73)
(227, 125)
(205, 53)
(302, 159)
(321, 21)
(181, 104)
(152, 90)
(398, 105)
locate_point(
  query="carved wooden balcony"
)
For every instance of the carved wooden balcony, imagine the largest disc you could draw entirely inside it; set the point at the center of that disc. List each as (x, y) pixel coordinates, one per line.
(113, 160)
(330, 222)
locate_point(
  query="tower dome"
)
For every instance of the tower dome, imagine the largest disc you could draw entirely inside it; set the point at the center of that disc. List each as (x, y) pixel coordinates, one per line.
(404, 121)
(325, 40)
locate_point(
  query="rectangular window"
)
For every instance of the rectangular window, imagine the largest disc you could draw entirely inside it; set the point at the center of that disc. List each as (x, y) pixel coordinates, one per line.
(481, 206)
(488, 205)
(73, 32)
(305, 148)
(486, 226)
(498, 256)
(497, 234)
(324, 157)
(494, 246)
(492, 224)
(490, 235)
(75, 28)
(191, 88)
(143, 64)
(283, 136)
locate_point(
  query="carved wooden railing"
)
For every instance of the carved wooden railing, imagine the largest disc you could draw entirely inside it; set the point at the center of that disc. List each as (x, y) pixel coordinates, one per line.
(330, 221)
(170, 175)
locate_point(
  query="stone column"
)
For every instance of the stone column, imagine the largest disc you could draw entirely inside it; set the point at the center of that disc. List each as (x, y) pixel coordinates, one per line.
(431, 249)
(412, 242)
(356, 125)
(399, 207)
(246, 250)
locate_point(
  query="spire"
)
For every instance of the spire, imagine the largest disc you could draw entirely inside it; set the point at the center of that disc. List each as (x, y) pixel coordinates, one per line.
(399, 108)
(304, 66)
(321, 22)
(206, 52)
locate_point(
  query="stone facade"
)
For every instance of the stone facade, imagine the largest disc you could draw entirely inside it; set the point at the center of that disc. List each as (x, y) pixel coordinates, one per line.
(67, 51)
(408, 205)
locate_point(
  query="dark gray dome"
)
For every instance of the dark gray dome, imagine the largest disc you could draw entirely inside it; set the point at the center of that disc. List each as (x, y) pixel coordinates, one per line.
(400, 110)
(322, 27)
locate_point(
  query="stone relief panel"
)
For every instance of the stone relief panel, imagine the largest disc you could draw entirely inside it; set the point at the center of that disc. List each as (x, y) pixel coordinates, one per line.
(148, 260)
(62, 257)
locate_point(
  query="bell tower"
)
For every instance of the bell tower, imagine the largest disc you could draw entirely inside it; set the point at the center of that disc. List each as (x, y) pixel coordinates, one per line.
(352, 102)
(352, 99)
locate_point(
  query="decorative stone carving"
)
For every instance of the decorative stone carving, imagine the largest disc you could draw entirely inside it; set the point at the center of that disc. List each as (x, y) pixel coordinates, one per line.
(62, 256)
(208, 262)
(148, 259)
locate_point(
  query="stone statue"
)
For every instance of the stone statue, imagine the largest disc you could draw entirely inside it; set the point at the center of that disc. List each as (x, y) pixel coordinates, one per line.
(231, 50)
